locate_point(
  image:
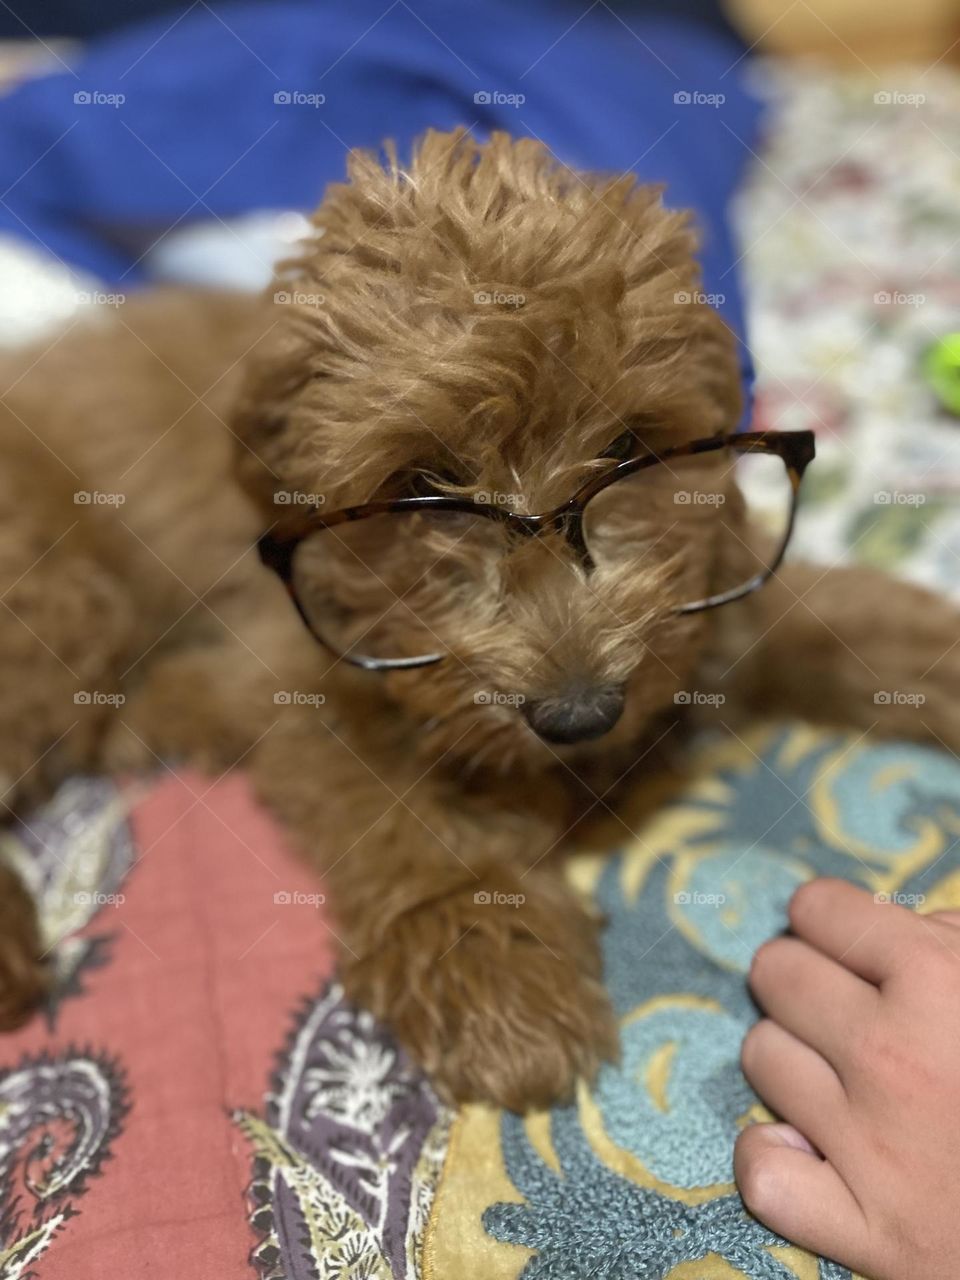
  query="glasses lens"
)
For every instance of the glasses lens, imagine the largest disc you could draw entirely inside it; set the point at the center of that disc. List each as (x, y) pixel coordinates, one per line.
(386, 586)
(709, 523)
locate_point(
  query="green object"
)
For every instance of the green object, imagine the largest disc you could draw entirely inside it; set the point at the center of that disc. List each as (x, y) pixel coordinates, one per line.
(941, 364)
(888, 535)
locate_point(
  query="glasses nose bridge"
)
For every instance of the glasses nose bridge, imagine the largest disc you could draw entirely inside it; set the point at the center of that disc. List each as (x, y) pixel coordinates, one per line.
(567, 520)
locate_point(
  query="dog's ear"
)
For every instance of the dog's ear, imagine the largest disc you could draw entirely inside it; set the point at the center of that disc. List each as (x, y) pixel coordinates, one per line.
(275, 372)
(720, 370)
(686, 360)
(709, 370)
(671, 333)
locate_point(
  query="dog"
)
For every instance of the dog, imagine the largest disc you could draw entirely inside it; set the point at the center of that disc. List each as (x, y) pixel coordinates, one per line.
(407, 540)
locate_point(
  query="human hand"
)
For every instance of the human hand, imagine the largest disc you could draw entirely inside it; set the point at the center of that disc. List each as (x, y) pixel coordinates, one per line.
(860, 1055)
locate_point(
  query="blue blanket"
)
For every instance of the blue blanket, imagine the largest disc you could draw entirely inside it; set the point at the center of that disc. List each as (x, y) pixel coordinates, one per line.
(252, 107)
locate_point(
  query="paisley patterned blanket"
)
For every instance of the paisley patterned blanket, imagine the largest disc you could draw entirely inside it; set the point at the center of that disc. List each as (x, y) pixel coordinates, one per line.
(201, 1102)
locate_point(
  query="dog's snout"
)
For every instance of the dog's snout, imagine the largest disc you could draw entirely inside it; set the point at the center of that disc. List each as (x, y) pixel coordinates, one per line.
(576, 716)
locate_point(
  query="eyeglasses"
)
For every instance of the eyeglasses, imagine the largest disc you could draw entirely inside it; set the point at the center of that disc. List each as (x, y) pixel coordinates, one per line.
(373, 583)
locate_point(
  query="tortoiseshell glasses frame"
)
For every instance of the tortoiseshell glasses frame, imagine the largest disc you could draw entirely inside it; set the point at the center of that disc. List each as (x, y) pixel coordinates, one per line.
(796, 448)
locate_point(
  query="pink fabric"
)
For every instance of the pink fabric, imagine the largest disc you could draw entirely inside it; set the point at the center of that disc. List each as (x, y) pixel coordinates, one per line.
(194, 1003)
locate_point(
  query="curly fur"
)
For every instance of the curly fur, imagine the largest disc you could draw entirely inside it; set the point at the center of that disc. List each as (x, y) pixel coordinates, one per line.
(492, 321)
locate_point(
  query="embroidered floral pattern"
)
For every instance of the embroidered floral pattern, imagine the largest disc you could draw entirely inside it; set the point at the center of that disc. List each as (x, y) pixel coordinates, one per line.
(73, 855)
(347, 1155)
(851, 234)
(643, 1180)
(58, 1118)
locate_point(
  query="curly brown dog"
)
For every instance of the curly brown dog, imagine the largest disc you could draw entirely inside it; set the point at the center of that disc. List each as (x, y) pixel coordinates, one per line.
(495, 334)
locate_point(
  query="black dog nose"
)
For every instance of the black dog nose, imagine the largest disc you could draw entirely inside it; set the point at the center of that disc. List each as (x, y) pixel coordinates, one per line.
(576, 716)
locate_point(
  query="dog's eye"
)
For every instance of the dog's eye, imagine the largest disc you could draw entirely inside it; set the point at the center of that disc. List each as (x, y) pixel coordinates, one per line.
(624, 447)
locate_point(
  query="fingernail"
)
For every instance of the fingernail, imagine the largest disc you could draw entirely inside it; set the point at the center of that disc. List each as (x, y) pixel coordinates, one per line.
(787, 1136)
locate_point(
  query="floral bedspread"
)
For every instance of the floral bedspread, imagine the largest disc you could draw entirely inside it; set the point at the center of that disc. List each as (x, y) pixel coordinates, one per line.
(850, 228)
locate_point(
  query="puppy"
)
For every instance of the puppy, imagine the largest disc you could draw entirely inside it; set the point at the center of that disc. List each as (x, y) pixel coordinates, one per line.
(435, 540)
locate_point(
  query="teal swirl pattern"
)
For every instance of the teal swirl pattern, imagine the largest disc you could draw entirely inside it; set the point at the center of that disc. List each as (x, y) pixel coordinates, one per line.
(683, 922)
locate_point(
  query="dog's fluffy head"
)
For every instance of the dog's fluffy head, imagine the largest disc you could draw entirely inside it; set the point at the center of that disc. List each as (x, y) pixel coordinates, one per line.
(492, 321)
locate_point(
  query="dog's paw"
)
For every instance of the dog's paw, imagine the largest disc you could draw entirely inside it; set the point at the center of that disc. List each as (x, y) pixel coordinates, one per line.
(495, 990)
(529, 1027)
(24, 978)
(177, 716)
